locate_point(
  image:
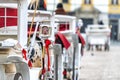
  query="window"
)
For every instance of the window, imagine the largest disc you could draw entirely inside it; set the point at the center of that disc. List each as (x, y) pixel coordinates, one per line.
(65, 1)
(114, 2)
(87, 1)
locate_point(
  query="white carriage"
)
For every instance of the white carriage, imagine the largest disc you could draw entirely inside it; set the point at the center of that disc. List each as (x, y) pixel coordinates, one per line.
(44, 29)
(98, 36)
(11, 59)
(12, 64)
(70, 59)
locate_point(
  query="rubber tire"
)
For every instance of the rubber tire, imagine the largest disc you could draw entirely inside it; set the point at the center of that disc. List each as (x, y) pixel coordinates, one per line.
(18, 76)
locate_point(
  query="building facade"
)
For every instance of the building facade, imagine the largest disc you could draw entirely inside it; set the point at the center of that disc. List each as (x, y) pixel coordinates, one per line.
(88, 13)
(114, 18)
(69, 5)
(82, 9)
(85, 10)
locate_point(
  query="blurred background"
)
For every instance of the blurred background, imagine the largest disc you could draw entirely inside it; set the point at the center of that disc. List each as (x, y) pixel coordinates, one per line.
(91, 12)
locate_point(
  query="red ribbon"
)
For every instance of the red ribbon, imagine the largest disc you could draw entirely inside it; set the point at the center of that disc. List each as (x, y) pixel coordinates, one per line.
(81, 38)
(64, 40)
(29, 63)
(47, 43)
(24, 52)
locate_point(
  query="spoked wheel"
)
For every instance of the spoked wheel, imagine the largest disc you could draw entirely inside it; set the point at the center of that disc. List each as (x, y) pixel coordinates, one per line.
(88, 47)
(18, 76)
(107, 47)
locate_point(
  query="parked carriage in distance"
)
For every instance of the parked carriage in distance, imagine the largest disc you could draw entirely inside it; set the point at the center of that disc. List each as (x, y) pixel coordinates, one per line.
(98, 36)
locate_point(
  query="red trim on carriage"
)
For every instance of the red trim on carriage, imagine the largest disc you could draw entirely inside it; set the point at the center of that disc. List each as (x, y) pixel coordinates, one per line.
(81, 38)
(63, 27)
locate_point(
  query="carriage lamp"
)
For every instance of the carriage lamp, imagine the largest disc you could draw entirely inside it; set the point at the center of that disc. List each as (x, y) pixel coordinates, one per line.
(45, 30)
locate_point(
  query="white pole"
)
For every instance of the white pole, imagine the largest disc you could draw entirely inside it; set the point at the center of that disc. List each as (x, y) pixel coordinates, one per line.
(54, 6)
(22, 22)
(58, 64)
(33, 38)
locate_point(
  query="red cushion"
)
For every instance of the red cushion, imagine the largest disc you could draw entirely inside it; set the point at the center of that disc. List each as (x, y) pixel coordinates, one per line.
(63, 27)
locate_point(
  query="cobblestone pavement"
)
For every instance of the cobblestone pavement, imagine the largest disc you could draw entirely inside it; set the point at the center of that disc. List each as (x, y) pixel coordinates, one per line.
(101, 65)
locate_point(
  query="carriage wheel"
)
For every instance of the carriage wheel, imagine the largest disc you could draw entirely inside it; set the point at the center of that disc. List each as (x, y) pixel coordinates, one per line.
(18, 76)
(88, 47)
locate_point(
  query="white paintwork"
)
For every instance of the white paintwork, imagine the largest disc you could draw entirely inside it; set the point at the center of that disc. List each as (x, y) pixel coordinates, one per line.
(22, 22)
(22, 19)
(12, 30)
(34, 73)
(74, 43)
(98, 34)
(78, 60)
(10, 1)
(9, 42)
(58, 62)
(22, 36)
(43, 16)
(21, 65)
(70, 19)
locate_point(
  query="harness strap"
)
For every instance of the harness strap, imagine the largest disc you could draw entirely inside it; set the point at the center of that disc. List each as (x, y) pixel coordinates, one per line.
(37, 1)
(64, 40)
(42, 72)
